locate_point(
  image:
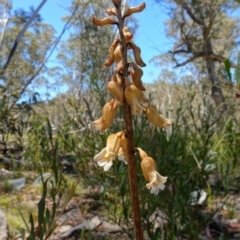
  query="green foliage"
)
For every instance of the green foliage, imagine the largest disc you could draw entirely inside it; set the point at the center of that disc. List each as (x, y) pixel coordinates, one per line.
(200, 143)
(44, 149)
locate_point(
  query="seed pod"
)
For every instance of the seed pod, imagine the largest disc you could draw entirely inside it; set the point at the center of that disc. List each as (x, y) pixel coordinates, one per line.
(114, 88)
(118, 53)
(137, 54)
(118, 79)
(104, 21)
(111, 50)
(111, 11)
(118, 57)
(127, 34)
(132, 10)
(136, 76)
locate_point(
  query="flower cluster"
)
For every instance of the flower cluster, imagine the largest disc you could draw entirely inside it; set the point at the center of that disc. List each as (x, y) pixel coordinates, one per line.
(132, 89)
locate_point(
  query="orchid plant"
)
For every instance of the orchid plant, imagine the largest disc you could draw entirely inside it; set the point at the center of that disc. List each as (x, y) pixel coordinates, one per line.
(127, 90)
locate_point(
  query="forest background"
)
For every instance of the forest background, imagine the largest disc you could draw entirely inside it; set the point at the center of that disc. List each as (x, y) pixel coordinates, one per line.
(53, 85)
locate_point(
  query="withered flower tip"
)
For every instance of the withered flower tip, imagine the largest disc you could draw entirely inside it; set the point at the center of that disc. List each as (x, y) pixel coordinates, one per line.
(136, 76)
(111, 11)
(132, 10)
(136, 54)
(104, 21)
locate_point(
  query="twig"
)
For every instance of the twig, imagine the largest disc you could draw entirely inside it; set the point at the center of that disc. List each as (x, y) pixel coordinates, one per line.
(195, 158)
(20, 35)
(67, 25)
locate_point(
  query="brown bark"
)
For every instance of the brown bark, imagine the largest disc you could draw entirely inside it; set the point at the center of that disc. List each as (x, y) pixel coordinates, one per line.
(216, 90)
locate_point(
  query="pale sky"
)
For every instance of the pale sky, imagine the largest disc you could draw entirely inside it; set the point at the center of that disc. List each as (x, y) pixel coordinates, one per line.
(149, 35)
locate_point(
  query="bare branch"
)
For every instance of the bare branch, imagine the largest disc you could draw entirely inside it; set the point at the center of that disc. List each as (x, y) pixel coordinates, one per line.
(20, 35)
(190, 13)
(31, 78)
(214, 57)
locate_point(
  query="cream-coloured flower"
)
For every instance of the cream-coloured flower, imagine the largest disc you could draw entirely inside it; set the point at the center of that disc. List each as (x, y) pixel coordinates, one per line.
(135, 98)
(108, 154)
(156, 118)
(108, 114)
(155, 180)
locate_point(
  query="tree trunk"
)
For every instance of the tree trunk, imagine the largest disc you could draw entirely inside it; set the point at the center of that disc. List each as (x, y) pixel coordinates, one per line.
(216, 90)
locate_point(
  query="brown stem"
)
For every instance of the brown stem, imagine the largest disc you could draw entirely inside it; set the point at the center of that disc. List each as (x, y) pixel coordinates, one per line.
(132, 173)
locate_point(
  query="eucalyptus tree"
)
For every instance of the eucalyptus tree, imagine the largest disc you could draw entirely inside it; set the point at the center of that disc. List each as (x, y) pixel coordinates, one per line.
(83, 53)
(204, 35)
(26, 43)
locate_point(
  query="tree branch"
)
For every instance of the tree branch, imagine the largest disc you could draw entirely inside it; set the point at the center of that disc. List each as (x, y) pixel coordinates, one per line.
(190, 13)
(31, 78)
(212, 56)
(20, 35)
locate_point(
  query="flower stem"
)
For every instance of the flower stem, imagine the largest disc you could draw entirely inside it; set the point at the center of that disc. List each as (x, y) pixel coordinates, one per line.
(132, 173)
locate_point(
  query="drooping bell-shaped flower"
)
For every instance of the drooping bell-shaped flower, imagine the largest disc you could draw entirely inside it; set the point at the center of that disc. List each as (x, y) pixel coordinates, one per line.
(108, 154)
(135, 98)
(154, 179)
(108, 113)
(156, 118)
(122, 154)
